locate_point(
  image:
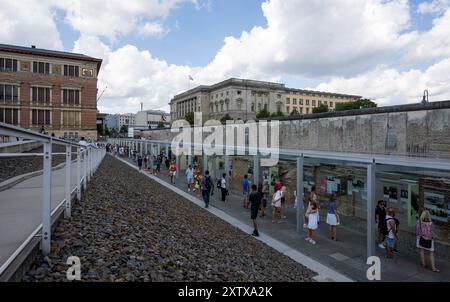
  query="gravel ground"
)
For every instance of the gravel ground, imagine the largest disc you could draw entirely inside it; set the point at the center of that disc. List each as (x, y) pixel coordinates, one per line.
(129, 228)
(14, 166)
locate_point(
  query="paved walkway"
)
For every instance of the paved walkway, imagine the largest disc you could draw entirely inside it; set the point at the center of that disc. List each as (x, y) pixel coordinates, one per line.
(346, 256)
(21, 209)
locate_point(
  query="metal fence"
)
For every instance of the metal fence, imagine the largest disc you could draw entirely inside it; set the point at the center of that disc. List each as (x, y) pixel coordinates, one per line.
(89, 157)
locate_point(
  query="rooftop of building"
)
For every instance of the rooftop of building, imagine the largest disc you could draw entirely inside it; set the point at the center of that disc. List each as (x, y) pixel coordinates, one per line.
(255, 84)
(154, 112)
(49, 53)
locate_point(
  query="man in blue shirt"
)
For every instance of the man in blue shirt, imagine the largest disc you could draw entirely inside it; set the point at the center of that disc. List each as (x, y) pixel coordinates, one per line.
(245, 189)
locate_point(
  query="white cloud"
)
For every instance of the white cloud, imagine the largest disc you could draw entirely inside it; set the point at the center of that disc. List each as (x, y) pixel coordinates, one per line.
(28, 23)
(389, 86)
(153, 29)
(435, 6)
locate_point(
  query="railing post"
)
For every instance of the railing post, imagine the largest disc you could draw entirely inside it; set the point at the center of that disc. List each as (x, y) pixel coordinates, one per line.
(371, 176)
(84, 168)
(47, 198)
(205, 162)
(67, 211)
(299, 191)
(88, 163)
(256, 169)
(78, 173)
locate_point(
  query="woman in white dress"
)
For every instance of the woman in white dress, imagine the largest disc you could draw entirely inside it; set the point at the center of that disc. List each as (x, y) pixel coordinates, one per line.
(313, 216)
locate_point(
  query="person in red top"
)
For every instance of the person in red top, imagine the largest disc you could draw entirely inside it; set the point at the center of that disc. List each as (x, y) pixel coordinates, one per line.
(173, 172)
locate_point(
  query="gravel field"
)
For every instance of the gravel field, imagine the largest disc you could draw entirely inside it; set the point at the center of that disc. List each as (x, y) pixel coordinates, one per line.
(128, 228)
(14, 166)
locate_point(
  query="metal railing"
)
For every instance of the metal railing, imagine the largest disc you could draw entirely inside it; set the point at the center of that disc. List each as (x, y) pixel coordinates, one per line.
(89, 157)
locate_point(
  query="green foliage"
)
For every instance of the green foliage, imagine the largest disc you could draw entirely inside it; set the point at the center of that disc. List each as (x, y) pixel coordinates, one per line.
(189, 117)
(264, 113)
(277, 114)
(294, 112)
(160, 125)
(359, 104)
(124, 129)
(226, 118)
(321, 108)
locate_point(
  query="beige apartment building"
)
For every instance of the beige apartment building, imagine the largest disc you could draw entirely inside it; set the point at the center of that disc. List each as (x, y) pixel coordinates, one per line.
(304, 101)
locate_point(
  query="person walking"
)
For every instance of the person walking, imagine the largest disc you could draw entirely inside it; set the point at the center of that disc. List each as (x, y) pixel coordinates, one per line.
(145, 162)
(283, 202)
(206, 187)
(332, 216)
(223, 186)
(255, 198)
(190, 178)
(313, 217)
(265, 195)
(425, 235)
(391, 232)
(380, 214)
(139, 162)
(245, 190)
(173, 172)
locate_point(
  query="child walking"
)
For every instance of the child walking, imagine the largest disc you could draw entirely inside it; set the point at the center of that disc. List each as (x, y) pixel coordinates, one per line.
(313, 217)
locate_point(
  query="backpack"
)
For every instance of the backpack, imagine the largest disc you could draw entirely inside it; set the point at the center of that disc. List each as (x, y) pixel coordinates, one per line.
(206, 183)
(384, 226)
(219, 183)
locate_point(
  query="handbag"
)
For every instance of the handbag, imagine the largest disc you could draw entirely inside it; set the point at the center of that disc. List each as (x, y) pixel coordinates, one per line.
(426, 243)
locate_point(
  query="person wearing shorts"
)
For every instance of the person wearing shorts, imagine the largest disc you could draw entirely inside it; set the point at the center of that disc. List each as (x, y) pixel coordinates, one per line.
(172, 173)
(255, 201)
(245, 191)
(190, 178)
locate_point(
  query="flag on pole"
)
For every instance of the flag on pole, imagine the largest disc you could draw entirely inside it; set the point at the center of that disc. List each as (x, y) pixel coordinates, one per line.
(190, 78)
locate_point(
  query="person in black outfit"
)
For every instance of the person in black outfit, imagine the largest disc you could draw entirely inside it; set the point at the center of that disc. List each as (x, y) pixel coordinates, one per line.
(255, 201)
(139, 160)
(380, 214)
(223, 186)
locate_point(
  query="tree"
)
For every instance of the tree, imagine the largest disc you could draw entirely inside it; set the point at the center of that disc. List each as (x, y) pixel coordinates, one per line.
(160, 125)
(321, 108)
(264, 113)
(226, 118)
(189, 117)
(294, 112)
(114, 132)
(107, 132)
(359, 104)
(123, 129)
(277, 114)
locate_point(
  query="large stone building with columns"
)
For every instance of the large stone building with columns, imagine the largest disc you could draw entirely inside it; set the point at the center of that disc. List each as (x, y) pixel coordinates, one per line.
(51, 89)
(243, 99)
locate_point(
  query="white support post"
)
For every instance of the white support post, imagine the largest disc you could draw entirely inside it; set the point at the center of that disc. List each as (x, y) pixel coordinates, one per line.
(371, 177)
(141, 148)
(78, 173)
(88, 163)
(146, 149)
(47, 198)
(256, 169)
(205, 163)
(299, 189)
(84, 169)
(129, 150)
(68, 207)
(227, 164)
(167, 151)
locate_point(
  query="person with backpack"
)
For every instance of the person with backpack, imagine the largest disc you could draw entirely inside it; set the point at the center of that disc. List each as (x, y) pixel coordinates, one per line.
(389, 229)
(380, 214)
(206, 187)
(255, 198)
(139, 162)
(222, 185)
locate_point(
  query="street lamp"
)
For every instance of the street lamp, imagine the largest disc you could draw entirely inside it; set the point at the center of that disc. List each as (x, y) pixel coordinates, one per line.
(425, 97)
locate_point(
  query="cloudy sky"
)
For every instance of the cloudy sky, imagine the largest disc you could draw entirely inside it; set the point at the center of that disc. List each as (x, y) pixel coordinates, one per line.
(386, 50)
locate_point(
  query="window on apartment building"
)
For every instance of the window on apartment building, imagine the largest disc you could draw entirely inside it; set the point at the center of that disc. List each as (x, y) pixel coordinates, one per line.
(307, 102)
(40, 117)
(301, 110)
(253, 107)
(9, 92)
(228, 92)
(331, 104)
(288, 101)
(313, 103)
(300, 101)
(71, 70)
(239, 92)
(279, 108)
(319, 103)
(40, 95)
(9, 116)
(287, 108)
(41, 67)
(228, 106)
(8, 64)
(71, 97)
(259, 107)
(71, 118)
(307, 110)
(221, 107)
(294, 101)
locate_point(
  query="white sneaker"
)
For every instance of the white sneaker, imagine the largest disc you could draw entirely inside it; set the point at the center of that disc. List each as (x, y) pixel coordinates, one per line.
(312, 242)
(305, 225)
(381, 246)
(307, 239)
(189, 190)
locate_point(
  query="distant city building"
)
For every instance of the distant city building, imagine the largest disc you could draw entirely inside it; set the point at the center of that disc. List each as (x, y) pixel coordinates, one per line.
(149, 119)
(112, 121)
(128, 119)
(51, 89)
(243, 99)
